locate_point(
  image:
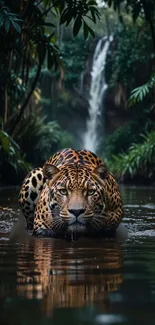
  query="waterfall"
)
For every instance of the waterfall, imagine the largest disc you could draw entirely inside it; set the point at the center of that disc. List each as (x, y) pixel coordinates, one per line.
(101, 4)
(97, 89)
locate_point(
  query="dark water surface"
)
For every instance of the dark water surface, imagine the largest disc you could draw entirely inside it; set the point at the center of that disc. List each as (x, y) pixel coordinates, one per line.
(83, 282)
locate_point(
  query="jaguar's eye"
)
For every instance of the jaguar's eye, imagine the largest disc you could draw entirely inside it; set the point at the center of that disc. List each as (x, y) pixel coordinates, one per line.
(63, 191)
(90, 192)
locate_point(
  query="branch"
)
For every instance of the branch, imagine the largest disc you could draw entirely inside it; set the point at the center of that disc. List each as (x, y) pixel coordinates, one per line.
(24, 12)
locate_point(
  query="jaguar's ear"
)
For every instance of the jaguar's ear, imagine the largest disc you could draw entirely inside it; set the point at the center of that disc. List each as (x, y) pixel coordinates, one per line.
(50, 172)
(101, 171)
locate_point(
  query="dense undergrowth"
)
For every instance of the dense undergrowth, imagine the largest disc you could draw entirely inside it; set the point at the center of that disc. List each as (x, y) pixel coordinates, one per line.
(130, 149)
(40, 69)
(138, 163)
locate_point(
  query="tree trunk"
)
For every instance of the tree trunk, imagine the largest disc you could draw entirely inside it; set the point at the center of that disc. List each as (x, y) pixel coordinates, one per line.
(23, 107)
(6, 104)
(152, 33)
(149, 16)
(2, 101)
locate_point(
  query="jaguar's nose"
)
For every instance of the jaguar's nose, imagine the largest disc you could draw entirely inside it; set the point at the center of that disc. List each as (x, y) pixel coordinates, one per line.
(76, 212)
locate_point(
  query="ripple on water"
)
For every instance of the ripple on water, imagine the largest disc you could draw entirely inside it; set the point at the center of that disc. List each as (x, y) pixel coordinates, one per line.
(139, 206)
(89, 281)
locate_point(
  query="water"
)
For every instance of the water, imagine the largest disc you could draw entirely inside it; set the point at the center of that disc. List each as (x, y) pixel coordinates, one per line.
(97, 89)
(83, 282)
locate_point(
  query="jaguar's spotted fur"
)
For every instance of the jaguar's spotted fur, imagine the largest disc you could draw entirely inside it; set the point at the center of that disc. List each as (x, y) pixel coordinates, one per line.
(72, 194)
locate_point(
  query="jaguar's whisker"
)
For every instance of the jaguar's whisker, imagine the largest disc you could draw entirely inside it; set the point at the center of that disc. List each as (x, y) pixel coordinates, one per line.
(95, 223)
(57, 224)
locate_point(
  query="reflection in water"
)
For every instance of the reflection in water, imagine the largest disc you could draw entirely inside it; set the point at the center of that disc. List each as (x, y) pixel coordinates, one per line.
(72, 276)
(83, 282)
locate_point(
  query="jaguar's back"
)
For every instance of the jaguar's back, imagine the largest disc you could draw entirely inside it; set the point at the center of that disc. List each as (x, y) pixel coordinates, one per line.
(72, 156)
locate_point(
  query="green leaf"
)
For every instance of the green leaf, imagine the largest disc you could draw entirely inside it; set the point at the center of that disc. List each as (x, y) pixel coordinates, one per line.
(16, 26)
(1, 20)
(93, 16)
(5, 141)
(46, 2)
(91, 31)
(7, 25)
(95, 10)
(77, 25)
(12, 151)
(85, 30)
(68, 20)
(92, 3)
(64, 16)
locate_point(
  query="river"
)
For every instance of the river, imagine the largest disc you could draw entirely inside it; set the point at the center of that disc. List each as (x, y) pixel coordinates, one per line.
(101, 281)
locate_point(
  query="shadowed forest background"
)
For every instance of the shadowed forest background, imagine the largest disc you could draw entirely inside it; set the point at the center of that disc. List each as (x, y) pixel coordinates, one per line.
(46, 54)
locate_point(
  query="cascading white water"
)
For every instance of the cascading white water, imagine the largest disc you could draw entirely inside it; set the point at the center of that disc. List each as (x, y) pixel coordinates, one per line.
(97, 89)
(101, 3)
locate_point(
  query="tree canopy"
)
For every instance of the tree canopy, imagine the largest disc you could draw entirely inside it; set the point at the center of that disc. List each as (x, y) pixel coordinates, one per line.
(29, 35)
(138, 8)
(46, 54)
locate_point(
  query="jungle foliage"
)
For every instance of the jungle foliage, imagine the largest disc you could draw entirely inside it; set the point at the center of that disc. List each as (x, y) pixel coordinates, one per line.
(45, 80)
(131, 50)
(138, 163)
(69, 96)
(30, 35)
(130, 64)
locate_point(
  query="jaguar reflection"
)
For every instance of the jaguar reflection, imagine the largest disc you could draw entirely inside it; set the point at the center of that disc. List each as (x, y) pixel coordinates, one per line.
(76, 275)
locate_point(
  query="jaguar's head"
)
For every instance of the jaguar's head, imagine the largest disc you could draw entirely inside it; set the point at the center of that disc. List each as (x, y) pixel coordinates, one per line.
(76, 198)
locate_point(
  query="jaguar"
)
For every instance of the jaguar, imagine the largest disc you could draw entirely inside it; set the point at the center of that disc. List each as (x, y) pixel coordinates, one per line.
(73, 194)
